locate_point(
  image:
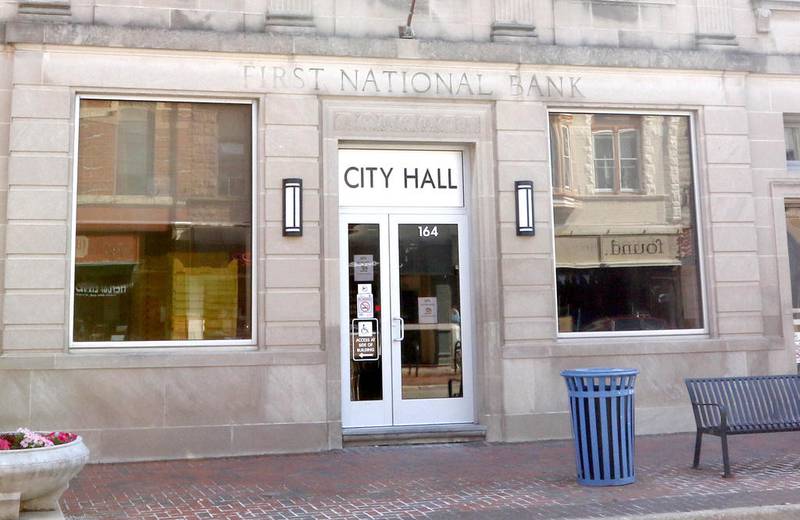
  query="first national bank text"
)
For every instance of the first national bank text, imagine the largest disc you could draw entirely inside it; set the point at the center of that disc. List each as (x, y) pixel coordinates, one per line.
(410, 82)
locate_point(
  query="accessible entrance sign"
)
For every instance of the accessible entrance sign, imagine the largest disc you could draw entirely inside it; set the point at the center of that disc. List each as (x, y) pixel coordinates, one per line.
(364, 340)
(369, 177)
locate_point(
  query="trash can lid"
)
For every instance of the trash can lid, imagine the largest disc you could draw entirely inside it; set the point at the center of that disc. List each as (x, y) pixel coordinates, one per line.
(599, 372)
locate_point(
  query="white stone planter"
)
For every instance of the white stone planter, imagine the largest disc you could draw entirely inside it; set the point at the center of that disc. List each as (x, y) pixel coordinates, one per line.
(34, 479)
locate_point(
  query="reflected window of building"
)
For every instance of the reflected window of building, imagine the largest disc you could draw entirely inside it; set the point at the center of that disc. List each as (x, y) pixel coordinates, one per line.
(164, 230)
(791, 136)
(560, 157)
(134, 151)
(604, 160)
(626, 263)
(615, 141)
(566, 165)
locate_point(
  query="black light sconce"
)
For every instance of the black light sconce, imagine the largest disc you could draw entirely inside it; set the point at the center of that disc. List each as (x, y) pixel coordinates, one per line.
(292, 207)
(523, 190)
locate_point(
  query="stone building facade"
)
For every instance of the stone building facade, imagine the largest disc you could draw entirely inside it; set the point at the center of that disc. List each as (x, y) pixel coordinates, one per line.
(155, 299)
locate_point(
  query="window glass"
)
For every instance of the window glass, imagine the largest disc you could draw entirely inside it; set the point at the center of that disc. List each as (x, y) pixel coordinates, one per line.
(604, 160)
(628, 262)
(164, 221)
(554, 171)
(629, 159)
(793, 243)
(565, 157)
(791, 134)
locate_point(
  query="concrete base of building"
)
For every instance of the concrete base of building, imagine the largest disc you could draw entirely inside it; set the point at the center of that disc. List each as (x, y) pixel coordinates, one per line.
(42, 515)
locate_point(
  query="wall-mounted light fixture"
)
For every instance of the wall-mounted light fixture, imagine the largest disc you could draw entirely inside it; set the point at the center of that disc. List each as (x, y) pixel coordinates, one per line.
(524, 194)
(292, 207)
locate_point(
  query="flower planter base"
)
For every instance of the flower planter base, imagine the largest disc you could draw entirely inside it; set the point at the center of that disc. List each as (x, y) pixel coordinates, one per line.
(34, 479)
(12, 507)
(9, 506)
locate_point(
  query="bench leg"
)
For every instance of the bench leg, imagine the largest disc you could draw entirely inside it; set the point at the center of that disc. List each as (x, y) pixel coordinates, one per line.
(697, 444)
(725, 460)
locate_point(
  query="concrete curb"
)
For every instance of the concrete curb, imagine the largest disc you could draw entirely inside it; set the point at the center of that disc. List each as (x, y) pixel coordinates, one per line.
(785, 512)
(42, 515)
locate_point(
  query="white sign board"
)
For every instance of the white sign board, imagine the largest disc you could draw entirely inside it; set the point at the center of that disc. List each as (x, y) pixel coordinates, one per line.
(401, 178)
(363, 269)
(428, 310)
(364, 329)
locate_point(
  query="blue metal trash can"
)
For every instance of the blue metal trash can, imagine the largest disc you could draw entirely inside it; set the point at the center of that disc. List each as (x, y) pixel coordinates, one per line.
(601, 407)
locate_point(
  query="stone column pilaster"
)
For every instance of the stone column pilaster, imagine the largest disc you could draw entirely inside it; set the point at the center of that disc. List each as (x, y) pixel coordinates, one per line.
(715, 24)
(292, 16)
(513, 21)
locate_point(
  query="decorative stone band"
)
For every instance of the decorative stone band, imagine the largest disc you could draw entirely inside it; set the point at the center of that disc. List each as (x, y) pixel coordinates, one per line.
(291, 16)
(44, 10)
(406, 122)
(519, 52)
(513, 31)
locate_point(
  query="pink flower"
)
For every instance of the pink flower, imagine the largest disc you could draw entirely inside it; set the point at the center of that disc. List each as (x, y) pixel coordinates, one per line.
(4, 444)
(60, 437)
(33, 439)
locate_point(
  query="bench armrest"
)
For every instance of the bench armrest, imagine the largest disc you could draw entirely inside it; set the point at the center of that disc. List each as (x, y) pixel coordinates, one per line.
(723, 414)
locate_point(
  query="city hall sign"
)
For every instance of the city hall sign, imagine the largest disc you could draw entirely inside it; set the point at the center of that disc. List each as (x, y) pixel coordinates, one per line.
(395, 177)
(411, 82)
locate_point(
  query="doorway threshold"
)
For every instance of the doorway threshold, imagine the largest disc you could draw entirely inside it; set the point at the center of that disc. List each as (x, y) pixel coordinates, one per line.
(416, 434)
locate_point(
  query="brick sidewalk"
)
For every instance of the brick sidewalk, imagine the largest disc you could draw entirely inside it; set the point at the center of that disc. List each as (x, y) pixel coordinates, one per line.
(479, 480)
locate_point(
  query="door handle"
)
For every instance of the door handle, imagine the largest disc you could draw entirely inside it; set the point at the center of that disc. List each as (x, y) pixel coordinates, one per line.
(402, 329)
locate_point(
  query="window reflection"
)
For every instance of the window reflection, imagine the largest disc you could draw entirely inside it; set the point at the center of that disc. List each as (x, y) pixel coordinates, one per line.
(163, 242)
(793, 243)
(791, 135)
(430, 295)
(626, 248)
(364, 271)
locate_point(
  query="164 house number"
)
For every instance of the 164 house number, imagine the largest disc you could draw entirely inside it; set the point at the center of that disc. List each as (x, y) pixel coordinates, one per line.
(428, 231)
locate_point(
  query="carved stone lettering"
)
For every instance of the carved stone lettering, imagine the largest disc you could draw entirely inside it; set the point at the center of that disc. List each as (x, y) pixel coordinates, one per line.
(373, 122)
(299, 77)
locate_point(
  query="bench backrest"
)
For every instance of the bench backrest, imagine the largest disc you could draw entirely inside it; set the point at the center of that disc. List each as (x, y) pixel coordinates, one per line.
(755, 400)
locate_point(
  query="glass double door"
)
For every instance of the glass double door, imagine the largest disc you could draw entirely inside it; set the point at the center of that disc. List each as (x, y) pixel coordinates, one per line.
(406, 345)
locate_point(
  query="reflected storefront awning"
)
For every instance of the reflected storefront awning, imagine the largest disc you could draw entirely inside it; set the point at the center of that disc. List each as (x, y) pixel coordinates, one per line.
(583, 252)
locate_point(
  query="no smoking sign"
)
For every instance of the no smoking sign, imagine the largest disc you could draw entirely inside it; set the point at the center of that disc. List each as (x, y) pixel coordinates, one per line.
(364, 307)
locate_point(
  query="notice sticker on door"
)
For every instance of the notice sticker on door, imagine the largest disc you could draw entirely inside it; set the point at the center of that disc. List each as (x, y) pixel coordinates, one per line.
(363, 270)
(428, 310)
(365, 288)
(364, 307)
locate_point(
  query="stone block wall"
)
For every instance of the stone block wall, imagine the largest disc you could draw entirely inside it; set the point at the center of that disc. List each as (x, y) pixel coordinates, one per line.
(221, 15)
(37, 210)
(293, 278)
(284, 395)
(151, 404)
(8, 9)
(738, 155)
(6, 67)
(732, 25)
(527, 269)
(773, 187)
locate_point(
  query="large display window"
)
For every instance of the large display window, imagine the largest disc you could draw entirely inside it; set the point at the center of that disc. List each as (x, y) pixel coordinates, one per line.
(626, 244)
(163, 223)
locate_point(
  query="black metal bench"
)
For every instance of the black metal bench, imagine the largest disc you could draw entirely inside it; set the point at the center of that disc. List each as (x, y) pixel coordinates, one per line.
(737, 405)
